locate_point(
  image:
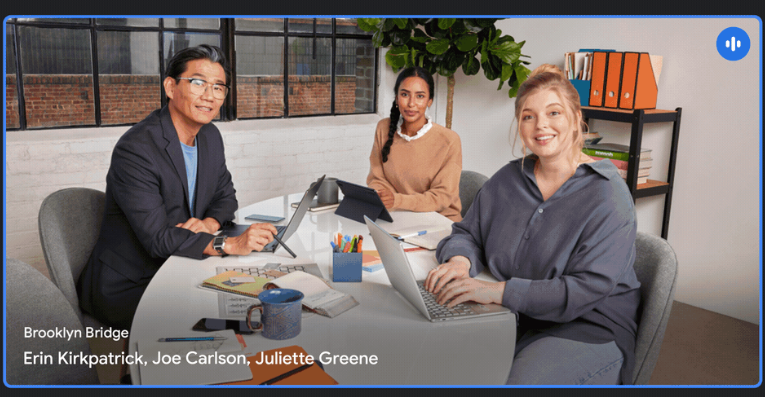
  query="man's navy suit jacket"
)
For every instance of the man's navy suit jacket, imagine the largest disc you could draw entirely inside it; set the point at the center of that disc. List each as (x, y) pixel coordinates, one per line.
(146, 196)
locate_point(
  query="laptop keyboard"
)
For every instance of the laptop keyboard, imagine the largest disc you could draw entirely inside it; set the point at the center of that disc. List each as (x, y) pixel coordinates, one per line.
(441, 311)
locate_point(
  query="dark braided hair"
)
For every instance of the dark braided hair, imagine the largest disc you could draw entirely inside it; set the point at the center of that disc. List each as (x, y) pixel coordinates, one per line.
(395, 114)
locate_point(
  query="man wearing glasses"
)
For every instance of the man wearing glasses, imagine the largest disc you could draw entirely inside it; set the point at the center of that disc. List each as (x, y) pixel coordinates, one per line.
(167, 191)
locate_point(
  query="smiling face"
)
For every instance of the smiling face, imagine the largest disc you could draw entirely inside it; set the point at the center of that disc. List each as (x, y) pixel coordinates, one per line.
(188, 111)
(545, 127)
(413, 99)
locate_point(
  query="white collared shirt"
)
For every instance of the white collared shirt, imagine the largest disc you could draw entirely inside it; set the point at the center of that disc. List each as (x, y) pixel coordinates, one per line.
(425, 128)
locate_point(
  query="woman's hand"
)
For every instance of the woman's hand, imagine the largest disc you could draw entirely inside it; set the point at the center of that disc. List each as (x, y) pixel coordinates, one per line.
(457, 267)
(470, 289)
(387, 198)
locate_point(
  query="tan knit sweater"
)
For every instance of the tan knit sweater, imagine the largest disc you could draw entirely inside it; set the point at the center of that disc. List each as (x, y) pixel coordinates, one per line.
(423, 174)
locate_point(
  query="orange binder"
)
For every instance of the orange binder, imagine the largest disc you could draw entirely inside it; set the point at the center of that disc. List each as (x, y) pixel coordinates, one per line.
(314, 375)
(599, 60)
(639, 90)
(629, 78)
(646, 90)
(613, 80)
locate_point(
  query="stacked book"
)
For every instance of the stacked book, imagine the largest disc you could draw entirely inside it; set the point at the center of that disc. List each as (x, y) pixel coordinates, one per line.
(619, 155)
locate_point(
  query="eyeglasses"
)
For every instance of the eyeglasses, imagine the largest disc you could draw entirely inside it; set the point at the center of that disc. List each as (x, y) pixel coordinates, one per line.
(199, 86)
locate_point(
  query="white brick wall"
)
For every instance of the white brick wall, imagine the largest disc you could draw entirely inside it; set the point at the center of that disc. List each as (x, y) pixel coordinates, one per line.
(267, 158)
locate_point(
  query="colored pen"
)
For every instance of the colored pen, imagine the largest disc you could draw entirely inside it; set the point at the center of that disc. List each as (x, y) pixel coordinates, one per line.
(285, 246)
(361, 240)
(420, 233)
(192, 339)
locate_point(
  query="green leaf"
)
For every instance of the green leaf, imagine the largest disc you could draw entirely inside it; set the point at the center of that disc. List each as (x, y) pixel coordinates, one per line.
(472, 26)
(508, 51)
(399, 37)
(471, 66)
(458, 29)
(432, 29)
(446, 23)
(453, 60)
(419, 39)
(485, 22)
(378, 38)
(388, 24)
(368, 24)
(484, 53)
(396, 57)
(400, 22)
(521, 74)
(467, 42)
(507, 71)
(489, 70)
(501, 83)
(438, 46)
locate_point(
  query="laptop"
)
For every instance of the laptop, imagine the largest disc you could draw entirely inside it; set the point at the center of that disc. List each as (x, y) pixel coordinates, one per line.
(399, 271)
(284, 232)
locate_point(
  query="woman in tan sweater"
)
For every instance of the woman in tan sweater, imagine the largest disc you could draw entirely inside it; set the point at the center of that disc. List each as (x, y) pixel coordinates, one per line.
(416, 164)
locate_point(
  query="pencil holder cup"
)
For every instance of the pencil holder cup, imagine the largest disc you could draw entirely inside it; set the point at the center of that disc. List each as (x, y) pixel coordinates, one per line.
(346, 267)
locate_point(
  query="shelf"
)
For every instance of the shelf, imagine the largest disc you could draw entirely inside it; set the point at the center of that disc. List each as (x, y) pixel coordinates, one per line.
(638, 118)
(628, 116)
(651, 188)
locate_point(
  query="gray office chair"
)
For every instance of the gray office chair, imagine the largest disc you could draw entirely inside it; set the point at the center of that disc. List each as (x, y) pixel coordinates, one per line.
(470, 182)
(69, 223)
(33, 301)
(656, 269)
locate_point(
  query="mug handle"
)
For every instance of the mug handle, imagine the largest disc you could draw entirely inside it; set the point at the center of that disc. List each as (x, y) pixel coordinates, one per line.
(259, 326)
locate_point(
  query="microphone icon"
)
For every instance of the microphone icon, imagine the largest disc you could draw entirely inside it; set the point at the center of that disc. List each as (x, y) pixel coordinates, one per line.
(733, 43)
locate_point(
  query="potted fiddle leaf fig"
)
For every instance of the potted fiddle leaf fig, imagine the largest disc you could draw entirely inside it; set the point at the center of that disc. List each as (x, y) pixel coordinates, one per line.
(443, 45)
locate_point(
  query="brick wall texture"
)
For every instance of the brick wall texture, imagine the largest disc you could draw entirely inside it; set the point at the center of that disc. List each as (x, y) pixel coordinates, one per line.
(67, 100)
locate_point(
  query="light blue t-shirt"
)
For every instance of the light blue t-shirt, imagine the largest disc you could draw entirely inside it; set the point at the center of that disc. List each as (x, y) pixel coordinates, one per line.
(190, 158)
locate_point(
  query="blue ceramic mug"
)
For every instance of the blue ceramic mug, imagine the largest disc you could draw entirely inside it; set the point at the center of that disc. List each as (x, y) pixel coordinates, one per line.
(280, 313)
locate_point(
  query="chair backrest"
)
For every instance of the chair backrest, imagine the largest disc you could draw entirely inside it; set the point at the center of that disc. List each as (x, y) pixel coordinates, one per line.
(656, 269)
(69, 223)
(470, 183)
(33, 301)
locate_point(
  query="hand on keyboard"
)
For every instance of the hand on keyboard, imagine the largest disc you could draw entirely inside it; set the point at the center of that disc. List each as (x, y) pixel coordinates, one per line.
(470, 289)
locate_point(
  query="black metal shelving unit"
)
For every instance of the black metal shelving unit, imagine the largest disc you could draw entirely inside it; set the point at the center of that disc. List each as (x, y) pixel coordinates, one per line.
(638, 118)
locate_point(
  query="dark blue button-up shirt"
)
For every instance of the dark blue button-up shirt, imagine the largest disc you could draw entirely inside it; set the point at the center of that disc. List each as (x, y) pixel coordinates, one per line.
(567, 261)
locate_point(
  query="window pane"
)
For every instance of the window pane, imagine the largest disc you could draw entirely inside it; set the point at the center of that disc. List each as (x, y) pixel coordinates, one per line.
(349, 26)
(309, 75)
(128, 76)
(128, 21)
(193, 23)
(300, 25)
(58, 20)
(12, 100)
(260, 24)
(58, 76)
(354, 76)
(259, 76)
(175, 42)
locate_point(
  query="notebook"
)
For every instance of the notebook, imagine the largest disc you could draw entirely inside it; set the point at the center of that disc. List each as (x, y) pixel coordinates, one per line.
(313, 375)
(399, 271)
(284, 232)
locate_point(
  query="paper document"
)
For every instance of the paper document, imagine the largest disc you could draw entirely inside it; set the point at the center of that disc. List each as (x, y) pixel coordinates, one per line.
(319, 296)
(193, 363)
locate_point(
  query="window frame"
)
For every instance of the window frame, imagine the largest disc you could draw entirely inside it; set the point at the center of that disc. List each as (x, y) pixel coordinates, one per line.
(227, 33)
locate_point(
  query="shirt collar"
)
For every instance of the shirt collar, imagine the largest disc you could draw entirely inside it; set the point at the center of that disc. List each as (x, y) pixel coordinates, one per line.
(425, 128)
(603, 167)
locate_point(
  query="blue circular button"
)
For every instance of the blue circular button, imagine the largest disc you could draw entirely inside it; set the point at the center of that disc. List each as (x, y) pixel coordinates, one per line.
(733, 44)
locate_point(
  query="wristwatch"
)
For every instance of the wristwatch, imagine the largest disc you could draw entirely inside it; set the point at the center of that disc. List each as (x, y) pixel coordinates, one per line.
(218, 243)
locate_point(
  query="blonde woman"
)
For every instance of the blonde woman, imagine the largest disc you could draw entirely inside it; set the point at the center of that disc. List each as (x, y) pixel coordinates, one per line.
(557, 229)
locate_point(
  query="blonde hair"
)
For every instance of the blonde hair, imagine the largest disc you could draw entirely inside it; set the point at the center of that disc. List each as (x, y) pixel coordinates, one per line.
(550, 77)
